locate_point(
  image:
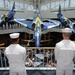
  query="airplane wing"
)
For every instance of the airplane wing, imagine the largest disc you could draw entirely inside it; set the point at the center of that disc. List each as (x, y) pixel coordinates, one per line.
(28, 23)
(46, 40)
(34, 41)
(28, 40)
(24, 22)
(2, 44)
(50, 24)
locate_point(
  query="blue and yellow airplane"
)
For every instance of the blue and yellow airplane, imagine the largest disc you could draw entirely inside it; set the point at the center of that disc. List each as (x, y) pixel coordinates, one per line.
(65, 22)
(8, 17)
(37, 26)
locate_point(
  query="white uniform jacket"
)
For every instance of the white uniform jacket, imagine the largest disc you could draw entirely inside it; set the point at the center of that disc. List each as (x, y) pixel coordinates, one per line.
(16, 55)
(64, 54)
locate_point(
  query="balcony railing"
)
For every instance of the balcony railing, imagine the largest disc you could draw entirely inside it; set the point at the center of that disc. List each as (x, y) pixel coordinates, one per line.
(36, 57)
(11, 26)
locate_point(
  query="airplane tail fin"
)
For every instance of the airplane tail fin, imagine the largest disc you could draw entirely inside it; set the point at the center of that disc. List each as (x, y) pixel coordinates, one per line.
(13, 7)
(59, 11)
(37, 12)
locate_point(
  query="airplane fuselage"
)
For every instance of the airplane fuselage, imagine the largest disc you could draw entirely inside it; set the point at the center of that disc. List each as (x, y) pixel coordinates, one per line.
(37, 32)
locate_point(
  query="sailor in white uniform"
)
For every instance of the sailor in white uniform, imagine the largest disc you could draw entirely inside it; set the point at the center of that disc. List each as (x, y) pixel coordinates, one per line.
(16, 55)
(64, 54)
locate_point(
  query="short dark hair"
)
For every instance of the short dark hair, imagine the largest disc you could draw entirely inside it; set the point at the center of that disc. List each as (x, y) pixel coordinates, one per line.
(14, 40)
(67, 34)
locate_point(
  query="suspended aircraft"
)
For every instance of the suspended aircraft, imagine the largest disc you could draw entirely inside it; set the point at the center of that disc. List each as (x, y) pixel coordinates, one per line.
(65, 22)
(8, 17)
(37, 26)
